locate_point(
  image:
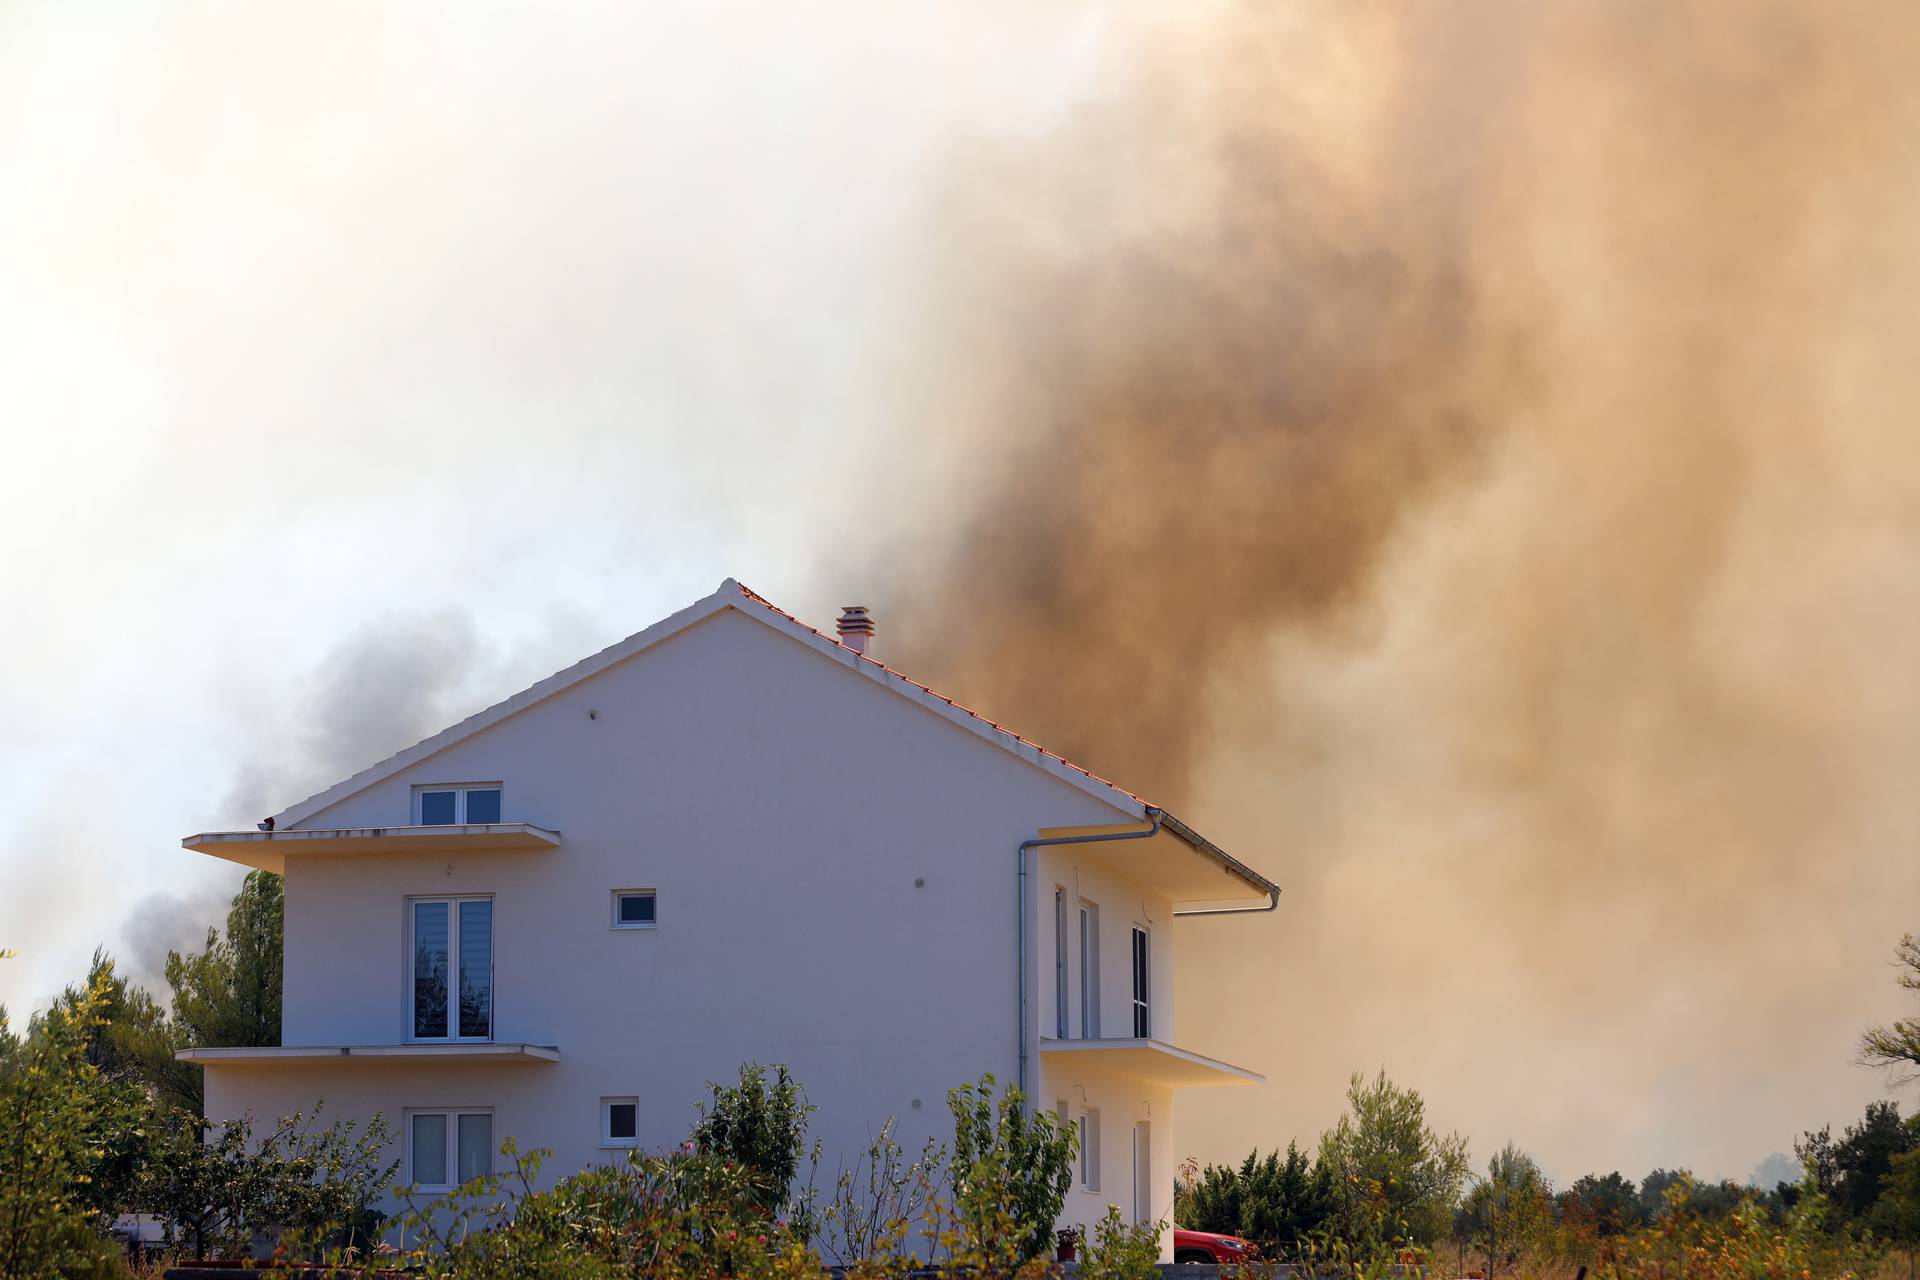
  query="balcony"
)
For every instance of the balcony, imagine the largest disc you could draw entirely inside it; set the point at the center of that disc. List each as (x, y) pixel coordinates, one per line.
(1154, 1061)
(301, 1055)
(269, 850)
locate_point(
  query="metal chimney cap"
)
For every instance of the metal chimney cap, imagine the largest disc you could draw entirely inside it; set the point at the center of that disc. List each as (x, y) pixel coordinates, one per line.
(854, 627)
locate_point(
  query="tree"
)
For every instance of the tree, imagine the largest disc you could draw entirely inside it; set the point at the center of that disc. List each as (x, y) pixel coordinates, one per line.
(229, 993)
(1393, 1177)
(134, 1041)
(1897, 1214)
(1509, 1213)
(1897, 1045)
(763, 1127)
(1654, 1200)
(1864, 1157)
(1850, 1171)
(1606, 1206)
(311, 1189)
(1011, 1173)
(1274, 1202)
(53, 1113)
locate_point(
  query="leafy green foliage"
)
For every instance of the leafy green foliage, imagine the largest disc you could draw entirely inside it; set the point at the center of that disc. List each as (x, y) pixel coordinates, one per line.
(55, 1108)
(1394, 1179)
(1683, 1243)
(1011, 1172)
(687, 1215)
(229, 994)
(1509, 1214)
(1602, 1205)
(1896, 1215)
(1274, 1202)
(215, 1187)
(1121, 1250)
(1851, 1170)
(763, 1126)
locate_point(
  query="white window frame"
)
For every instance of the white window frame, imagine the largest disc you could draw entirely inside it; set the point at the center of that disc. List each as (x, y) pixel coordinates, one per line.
(452, 1153)
(618, 894)
(453, 901)
(459, 790)
(607, 1140)
(1090, 1150)
(1140, 961)
(1089, 970)
(1062, 1015)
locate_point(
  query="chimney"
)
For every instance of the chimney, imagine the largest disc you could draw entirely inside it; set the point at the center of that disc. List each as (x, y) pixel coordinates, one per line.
(855, 628)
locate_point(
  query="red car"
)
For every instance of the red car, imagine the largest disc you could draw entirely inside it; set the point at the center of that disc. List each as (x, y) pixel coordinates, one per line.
(1204, 1246)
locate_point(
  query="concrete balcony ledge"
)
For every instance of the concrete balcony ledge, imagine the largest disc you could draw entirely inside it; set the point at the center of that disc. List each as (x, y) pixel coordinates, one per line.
(1152, 1060)
(295, 1055)
(269, 850)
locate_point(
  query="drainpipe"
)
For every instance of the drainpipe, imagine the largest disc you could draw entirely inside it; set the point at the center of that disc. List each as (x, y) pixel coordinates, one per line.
(1157, 817)
(1273, 904)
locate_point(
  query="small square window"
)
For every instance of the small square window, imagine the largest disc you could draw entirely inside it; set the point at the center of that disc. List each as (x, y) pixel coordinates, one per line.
(633, 909)
(619, 1122)
(436, 808)
(483, 806)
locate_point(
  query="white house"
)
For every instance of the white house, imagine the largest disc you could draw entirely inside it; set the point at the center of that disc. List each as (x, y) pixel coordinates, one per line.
(730, 838)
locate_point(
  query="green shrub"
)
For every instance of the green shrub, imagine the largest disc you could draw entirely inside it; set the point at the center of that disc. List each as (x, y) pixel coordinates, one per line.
(687, 1215)
(1121, 1250)
(54, 1111)
(1011, 1172)
(764, 1127)
(215, 1188)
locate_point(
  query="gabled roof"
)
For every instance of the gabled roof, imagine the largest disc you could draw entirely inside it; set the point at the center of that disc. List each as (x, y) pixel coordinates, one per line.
(732, 595)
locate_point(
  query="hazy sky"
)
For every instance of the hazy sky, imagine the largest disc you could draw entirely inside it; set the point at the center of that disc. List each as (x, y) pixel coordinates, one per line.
(325, 331)
(1476, 447)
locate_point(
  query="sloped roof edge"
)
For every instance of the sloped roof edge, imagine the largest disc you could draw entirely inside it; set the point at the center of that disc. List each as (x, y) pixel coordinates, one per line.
(732, 595)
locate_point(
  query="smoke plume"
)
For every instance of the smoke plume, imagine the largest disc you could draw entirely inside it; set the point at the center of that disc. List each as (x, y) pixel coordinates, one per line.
(1457, 458)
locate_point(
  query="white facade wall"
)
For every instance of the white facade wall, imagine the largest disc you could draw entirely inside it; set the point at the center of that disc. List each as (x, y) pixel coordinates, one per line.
(1122, 906)
(783, 808)
(1076, 1085)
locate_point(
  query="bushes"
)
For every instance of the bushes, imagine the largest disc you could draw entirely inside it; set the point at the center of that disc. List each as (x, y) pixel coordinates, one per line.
(1685, 1244)
(1121, 1250)
(764, 1128)
(1011, 1172)
(312, 1189)
(55, 1111)
(704, 1212)
(1276, 1203)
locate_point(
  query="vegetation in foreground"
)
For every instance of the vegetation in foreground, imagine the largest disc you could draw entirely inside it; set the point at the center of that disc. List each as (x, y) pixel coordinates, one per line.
(98, 1119)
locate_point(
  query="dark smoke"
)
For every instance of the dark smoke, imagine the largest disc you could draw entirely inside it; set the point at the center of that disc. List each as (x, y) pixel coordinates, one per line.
(1457, 457)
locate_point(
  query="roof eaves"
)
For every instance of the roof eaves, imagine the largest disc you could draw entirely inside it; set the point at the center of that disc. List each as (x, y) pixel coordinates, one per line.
(1232, 864)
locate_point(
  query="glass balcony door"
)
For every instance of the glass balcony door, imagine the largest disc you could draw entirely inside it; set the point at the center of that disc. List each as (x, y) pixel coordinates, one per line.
(451, 992)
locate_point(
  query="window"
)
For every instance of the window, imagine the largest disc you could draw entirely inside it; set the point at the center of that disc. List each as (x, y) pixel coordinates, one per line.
(619, 1122)
(634, 909)
(445, 1148)
(1060, 1028)
(450, 806)
(1142, 1025)
(1089, 970)
(451, 995)
(1090, 1149)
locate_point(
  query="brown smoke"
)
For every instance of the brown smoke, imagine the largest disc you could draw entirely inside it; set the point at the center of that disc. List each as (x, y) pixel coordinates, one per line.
(1458, 457)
